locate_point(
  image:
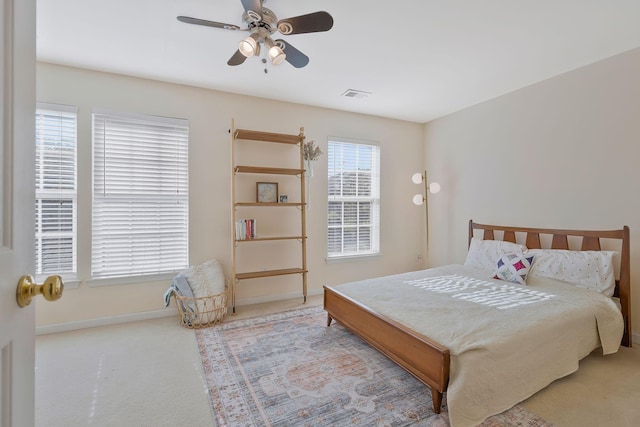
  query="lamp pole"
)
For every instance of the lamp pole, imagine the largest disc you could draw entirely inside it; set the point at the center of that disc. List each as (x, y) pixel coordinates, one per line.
(426, 211)
(419, 199)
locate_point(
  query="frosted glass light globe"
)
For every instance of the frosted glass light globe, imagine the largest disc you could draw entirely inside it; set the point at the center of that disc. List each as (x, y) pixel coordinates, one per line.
(276, 55)
(416, 178)
(248, 46)
(418, 199)
(434, 187)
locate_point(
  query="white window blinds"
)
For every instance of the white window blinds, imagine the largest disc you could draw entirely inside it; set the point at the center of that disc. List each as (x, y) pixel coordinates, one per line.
(140, 195)
(353, 198)
(56, 190)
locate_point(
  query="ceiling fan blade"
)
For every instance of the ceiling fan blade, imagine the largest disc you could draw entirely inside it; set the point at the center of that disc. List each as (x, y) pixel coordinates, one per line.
(237, 58)
(310, 23)
(294, 56)
(253, 9)
(197, 21)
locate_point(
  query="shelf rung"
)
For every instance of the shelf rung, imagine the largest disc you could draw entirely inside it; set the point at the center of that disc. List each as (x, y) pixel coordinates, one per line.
(253, 135)
(269, 273)
(267, 204)
(267, 170)
(264, 239)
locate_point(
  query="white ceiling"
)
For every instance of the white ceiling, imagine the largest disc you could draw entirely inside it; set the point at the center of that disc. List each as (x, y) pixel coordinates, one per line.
(420, 59)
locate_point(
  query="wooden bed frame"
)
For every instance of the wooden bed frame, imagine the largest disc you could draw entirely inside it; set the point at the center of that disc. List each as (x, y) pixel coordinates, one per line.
(429, 360)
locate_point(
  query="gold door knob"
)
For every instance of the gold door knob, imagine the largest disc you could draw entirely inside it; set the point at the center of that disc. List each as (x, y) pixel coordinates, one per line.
(51, 289)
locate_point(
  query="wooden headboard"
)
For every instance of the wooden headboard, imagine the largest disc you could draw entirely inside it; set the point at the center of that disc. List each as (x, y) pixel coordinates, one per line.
(590, 241)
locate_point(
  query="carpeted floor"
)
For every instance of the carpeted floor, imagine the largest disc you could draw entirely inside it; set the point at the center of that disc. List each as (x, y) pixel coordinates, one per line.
(149, 373)
(289, 369)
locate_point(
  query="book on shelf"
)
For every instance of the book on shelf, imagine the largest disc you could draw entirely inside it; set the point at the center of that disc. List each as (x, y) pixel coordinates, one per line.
(246, 229)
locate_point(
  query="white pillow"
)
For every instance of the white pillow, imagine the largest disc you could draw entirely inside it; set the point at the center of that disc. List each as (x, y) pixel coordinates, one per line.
(484, 254)
(588, 269)
(206, 279)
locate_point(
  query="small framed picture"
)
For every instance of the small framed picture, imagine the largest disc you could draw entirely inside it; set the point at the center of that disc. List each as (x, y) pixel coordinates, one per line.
(267, 192)
(284, 198)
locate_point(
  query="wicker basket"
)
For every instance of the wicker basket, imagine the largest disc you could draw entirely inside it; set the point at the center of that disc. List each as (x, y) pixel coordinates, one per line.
(203, 311)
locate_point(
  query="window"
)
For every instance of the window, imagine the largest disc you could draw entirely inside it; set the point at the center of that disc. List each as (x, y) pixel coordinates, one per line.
(56, 190)
(354, 198)
(140, 213)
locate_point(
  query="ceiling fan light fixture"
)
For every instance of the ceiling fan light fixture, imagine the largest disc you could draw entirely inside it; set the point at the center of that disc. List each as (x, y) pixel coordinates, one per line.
(276, 54)
(260, 23)
(248, 46)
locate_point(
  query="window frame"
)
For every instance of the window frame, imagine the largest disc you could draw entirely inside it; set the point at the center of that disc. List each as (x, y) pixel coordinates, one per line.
(43, 194)
(373, 199)
(114, 194)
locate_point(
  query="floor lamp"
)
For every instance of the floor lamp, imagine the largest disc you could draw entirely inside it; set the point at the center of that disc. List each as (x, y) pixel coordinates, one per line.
(418, 199)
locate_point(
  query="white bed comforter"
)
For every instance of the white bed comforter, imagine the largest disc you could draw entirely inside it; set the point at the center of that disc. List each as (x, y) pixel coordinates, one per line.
(507, 341)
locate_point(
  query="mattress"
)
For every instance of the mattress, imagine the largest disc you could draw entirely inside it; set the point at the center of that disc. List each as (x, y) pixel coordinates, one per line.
(507, 341)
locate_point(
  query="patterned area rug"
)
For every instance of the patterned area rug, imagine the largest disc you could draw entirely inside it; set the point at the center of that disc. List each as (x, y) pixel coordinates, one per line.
(289, 369)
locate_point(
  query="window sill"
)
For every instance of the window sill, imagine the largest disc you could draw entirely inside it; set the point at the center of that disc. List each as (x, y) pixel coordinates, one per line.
(129, 280)
(351, 258)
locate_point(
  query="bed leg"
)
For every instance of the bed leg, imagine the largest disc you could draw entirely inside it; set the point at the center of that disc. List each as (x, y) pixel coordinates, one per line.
(436, 397)
(329, 319)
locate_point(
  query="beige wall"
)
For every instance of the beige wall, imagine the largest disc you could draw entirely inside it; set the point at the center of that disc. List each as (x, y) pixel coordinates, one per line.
(209, 114)
(563, 153)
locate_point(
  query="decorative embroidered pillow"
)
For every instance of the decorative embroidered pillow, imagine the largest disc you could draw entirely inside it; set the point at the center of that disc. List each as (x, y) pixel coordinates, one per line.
(588, 269)
(514, 267)
(205, 279)
(484, 254)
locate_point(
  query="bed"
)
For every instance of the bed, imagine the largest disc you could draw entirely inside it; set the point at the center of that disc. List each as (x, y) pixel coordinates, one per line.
(534, 347)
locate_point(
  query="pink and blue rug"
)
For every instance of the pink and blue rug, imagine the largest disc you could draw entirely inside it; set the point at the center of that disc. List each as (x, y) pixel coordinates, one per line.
(289, 369)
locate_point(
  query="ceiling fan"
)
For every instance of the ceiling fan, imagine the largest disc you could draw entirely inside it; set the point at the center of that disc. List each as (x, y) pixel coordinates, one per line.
(261, 24)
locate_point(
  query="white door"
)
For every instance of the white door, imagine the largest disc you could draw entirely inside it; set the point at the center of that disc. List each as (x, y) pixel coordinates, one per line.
(17, 113)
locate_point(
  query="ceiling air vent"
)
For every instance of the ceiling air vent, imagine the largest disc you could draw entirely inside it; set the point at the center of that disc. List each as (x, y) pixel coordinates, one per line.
(355, 94)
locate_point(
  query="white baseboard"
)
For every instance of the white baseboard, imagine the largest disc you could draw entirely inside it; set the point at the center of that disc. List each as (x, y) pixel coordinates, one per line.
(105, 321)
(276, 297)
(155, 314)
